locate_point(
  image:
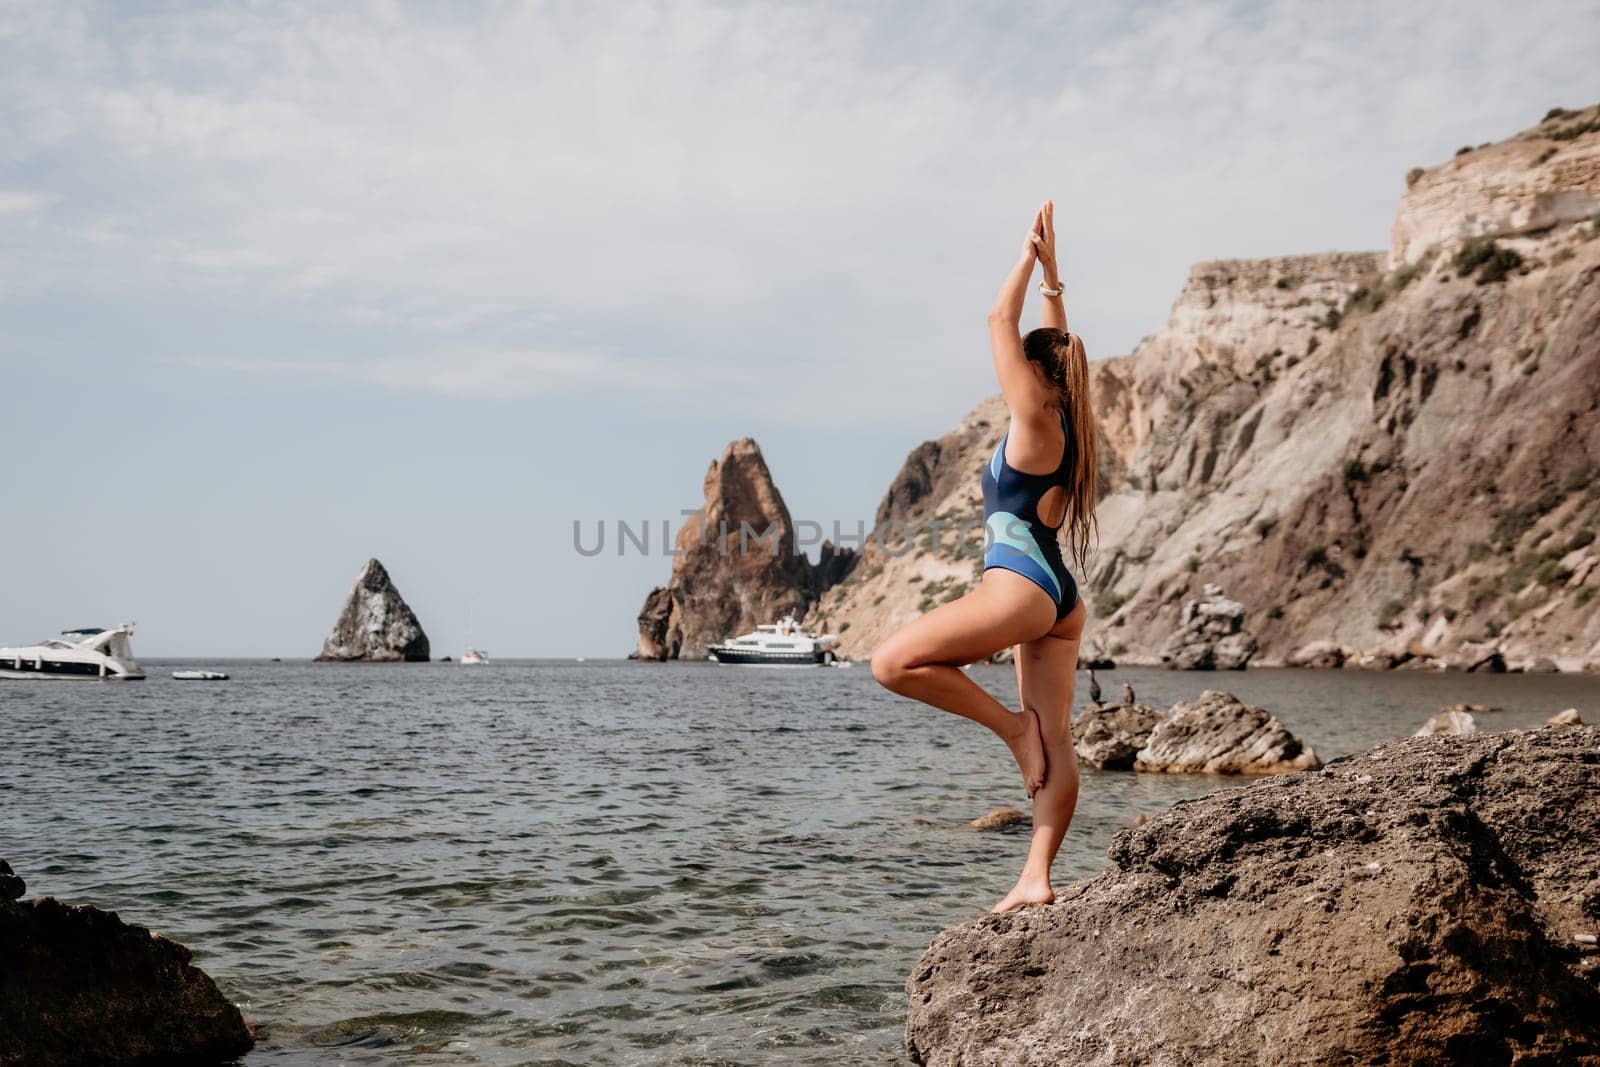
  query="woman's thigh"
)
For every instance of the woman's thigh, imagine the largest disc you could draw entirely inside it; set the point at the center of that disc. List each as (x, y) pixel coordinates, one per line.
(1006, 609)
(1046, 670)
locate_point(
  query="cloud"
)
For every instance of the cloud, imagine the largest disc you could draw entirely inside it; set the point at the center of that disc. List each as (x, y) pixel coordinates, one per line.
(825, 194)
(476, 374)
(16, 203)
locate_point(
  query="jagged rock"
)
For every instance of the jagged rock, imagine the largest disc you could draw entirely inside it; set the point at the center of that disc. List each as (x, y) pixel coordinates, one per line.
(1219, 734)
(1569, 717)
(1449, 722)
(1411, 905)
(11, 884)
(376, 624)
(1210, 635)
(1541, 665)
(659, 638)
(1320, 655)
(1111, 735)
(80, 986)
(737, 564)
(999, 819)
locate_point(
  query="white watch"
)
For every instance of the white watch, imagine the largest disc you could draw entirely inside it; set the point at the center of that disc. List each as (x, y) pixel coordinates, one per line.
(1050, 292)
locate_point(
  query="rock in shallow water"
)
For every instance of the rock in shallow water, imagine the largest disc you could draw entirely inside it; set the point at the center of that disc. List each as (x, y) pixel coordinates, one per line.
(999, 819)
(1220, 734)
(80, 986)
(1449, 721)
(1109, 736)
(1412, 904)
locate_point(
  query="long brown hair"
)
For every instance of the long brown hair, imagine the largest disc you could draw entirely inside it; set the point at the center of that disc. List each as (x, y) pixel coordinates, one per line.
(1061, 357)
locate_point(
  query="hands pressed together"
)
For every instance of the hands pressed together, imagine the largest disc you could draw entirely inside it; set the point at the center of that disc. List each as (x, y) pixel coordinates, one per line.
(1041, 242)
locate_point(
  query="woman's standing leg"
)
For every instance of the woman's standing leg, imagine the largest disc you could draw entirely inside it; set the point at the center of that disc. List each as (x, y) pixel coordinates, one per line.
(1046, 670)
(923, 660)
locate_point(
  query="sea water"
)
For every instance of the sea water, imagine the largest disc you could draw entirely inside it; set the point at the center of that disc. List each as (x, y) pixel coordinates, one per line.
(602, 862)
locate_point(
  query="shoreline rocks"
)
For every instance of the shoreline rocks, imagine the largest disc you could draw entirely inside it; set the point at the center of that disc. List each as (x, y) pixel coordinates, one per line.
(1220, 734)
(1109, 736)
(1407, 905)
(1210, 635)
(1216, 734)
(376, 625)
(1449, 721)
(80, 986)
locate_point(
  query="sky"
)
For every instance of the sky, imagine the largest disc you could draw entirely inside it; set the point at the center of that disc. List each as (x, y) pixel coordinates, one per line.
(284, 287)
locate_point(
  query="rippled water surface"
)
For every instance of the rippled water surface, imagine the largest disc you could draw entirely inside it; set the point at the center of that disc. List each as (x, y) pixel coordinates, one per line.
(600, 862)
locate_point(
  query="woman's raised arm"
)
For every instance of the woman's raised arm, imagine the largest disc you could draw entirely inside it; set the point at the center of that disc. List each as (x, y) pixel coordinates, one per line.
(1025, 392)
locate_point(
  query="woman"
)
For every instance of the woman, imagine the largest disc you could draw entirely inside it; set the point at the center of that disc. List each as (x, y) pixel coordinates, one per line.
(1041, 478)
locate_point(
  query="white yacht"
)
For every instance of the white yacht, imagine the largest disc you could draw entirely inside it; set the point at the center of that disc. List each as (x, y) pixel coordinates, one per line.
(90, 653)
(782, 643)
(473, 658)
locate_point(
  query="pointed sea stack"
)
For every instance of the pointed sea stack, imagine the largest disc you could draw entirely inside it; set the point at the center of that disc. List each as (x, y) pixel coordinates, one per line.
(736, 564)
(376, 625)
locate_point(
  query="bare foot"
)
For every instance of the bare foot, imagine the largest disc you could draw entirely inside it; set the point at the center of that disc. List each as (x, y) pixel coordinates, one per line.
(1028, 748)
(1025, 892)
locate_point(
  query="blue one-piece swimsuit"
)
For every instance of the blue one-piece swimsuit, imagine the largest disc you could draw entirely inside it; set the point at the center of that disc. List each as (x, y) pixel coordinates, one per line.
(1017, 539)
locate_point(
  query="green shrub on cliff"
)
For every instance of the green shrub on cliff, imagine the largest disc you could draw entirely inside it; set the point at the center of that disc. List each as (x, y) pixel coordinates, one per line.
(1485, 257)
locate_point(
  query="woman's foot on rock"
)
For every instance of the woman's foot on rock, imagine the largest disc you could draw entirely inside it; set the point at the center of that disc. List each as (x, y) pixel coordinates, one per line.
(1027, 746)
(1025, 892)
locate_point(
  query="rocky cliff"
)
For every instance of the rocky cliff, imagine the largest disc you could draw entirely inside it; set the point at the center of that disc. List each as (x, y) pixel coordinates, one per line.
(1392, 452)
(736, 564)
(376, 624)
(1409, 905)
(80, 986)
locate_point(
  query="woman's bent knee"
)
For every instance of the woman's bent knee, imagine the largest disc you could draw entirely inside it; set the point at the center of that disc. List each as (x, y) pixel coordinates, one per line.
(890, 670)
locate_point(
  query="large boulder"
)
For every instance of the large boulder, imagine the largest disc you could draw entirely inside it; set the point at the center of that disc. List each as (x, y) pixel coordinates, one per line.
(1109, 736)
(1210, 636)
(376, 624)
(80, 986)
(1430, 901)
(1220, 734)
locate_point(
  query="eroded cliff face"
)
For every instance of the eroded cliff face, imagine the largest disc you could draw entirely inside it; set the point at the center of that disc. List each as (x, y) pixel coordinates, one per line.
(736, 564)
(1397, 452)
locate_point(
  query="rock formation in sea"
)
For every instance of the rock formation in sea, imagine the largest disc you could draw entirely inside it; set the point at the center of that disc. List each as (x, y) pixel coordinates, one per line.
(80, 986)
(1220, 734)
(376, 624)
(1449, 721)
(1210, 635)
(737, 564)
(1408, 905)
(1394, 452)
(1109, 736)
(1216, 734)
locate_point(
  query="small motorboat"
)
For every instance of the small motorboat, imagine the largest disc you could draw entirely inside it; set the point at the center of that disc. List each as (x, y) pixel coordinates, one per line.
(200, 676)
(87, 654)
(473, 658)
(779, 644)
